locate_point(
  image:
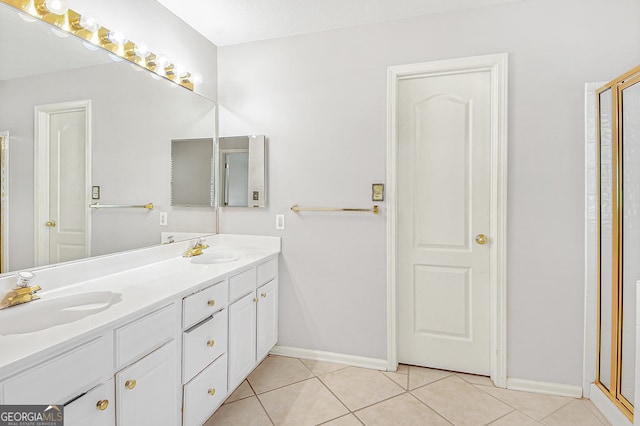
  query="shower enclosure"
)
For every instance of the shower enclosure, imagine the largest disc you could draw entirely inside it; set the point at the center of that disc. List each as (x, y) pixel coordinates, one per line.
(618, 104)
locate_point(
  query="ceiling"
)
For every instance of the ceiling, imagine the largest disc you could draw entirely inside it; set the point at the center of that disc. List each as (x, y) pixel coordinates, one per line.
(228, 22)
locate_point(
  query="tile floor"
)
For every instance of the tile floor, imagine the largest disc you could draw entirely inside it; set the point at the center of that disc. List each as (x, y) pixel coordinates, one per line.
(291, 391)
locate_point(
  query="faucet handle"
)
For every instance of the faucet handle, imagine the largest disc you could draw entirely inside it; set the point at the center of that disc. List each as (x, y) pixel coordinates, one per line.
(24, 277)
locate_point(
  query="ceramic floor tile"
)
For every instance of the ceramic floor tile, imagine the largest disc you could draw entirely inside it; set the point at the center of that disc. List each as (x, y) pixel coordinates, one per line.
(276, 371)
(305, 403)
(420, 376)
(243, 391)
(535, 405)
(348, 420)
(403, 410)
(515, 418)
(322, 367)
(475, 379)
(587, 403)
(573, 414)
(402, 369)
(460, 402)
(359, 387)
(399, 378)
(246, 412)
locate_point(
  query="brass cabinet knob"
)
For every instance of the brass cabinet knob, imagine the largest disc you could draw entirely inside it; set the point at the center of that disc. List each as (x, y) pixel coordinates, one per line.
(210, 343)
(51, 224)
(255, 299)
(211, 302)
(263, 294)
(102, 404)
(130, 384)
(212, 391)
(481, 239)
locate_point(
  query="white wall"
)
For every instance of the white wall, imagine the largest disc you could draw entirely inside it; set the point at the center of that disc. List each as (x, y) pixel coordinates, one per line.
(321, 100)
(134, 119)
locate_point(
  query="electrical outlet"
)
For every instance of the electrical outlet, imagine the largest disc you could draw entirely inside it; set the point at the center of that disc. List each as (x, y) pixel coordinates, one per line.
(279, 221)
(163, 218)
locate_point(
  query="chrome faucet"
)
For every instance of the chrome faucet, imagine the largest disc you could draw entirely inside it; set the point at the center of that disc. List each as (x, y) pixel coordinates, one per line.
(197, 248)
(22, 292)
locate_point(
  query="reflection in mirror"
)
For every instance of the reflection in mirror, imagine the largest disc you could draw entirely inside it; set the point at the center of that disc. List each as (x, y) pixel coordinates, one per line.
(192, 172)
(130, 118)
(242, 171)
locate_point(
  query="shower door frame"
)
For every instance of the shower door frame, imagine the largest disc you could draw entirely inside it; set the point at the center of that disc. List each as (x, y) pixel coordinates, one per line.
(613, 391)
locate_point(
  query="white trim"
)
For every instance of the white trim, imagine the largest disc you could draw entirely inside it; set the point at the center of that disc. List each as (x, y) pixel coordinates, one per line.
(6, 180)
(353, 360)
(41, 173)
(497, 66)
(547, 388)
(608, 408)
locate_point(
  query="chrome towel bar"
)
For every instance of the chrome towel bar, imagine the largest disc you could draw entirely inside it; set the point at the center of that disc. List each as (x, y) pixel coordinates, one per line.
(296, 208)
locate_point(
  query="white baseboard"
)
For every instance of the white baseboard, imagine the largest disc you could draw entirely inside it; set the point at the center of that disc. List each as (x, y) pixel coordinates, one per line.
(353, 360)
(607, 408)
(557, 389)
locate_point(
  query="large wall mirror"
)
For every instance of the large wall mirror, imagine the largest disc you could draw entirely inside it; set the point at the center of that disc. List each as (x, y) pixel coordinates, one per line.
(80, 128)
(242, 171)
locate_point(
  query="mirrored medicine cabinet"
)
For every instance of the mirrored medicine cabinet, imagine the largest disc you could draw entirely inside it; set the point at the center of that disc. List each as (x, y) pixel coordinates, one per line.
(192, 172)
(242, 171)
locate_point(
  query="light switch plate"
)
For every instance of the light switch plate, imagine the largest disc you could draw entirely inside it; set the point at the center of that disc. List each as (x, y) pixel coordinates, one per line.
(95, 192)
(377, 192)
(163, 218)
(279, 221)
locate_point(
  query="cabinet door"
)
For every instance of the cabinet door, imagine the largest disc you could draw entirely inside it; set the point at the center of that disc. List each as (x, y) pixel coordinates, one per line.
(95, 408)
(147, 391)
(242, 339)
(267, 318)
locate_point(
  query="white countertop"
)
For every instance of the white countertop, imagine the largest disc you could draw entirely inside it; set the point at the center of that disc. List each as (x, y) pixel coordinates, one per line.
(141, 289)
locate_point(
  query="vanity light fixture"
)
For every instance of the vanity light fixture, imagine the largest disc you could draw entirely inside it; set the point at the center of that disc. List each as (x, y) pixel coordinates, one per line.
(57, 13)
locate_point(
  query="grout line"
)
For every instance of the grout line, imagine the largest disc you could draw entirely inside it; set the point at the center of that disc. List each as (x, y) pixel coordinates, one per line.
(431, 408)
(265, 410)
(332, 393)
(506, 414)
(406, 389)
(560, 408)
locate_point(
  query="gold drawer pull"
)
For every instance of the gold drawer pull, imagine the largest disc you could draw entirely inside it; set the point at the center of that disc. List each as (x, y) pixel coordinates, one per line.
(210, 343)
(211, 302)
(212, 391)
(102, 404)
(130, 384)
(263, 294)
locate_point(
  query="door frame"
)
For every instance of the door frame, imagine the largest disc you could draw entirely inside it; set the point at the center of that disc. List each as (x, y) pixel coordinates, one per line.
(42, 114)
(497, 66)
(4, 201)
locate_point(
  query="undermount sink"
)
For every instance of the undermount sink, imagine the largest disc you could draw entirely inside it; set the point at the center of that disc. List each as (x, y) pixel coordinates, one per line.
(45, 313)
(215, 257)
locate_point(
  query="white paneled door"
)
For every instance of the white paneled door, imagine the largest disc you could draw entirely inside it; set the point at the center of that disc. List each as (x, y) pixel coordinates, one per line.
(62, 159)
(444, 207)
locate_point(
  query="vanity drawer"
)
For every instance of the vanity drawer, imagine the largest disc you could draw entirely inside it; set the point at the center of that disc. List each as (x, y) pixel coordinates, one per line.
(267, 271)
(199, 404)
(140, 337)
(59, 379)
(202, 304)
(241, 284)
(202, 344)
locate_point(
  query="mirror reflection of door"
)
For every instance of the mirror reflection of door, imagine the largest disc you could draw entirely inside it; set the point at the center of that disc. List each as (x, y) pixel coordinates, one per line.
(63, 212)
(236, 178)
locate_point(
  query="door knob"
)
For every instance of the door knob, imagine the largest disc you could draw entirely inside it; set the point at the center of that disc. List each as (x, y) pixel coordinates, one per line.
(481, 239)
(51, 224)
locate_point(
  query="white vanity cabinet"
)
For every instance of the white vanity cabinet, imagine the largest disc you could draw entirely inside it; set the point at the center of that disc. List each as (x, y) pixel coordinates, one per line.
(253, 320)
(95, 408)
(147, 391)
(204, 348)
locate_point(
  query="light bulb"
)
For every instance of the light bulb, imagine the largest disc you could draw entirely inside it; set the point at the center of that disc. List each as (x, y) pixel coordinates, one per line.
(162, 61)
(196, 78)
(117, 38)
(58, 7)
(179, 70)
(141, 50)
(89, 24)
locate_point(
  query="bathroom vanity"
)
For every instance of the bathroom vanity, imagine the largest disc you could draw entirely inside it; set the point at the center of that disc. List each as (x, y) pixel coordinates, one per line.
(163, 340)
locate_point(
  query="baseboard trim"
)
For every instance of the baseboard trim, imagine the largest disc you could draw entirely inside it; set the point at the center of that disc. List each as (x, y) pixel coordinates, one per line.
(353, 360)
(545, 387)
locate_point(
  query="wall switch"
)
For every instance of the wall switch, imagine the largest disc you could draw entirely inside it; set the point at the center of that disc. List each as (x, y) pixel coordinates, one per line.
(163, 218)
(95, 192)
(279, 221)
